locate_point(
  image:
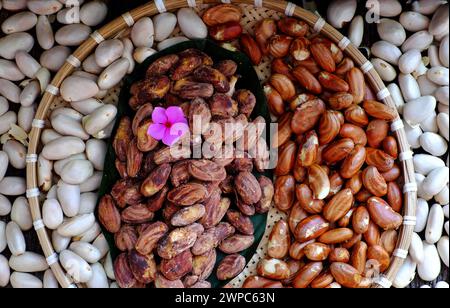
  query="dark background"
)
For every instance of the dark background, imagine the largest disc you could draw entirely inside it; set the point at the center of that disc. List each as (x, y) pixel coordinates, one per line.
(118, 7)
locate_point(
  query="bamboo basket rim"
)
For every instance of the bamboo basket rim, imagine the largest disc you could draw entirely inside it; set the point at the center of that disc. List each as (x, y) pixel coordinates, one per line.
(289, 9)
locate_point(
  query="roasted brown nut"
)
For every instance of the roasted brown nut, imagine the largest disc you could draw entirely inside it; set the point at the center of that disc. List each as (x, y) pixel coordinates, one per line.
(279, 240)
(156, 202)
(176, 242)
(227, 67)
(171, 155)
(274, 100)
(185, 66)
(356, 115)
(293, 27)
(280, 66)
(162, 65)
(323, 57)
(346, 275)
(126, 192)
(307, 275)
(340, 100)
(121, 168)
(242, 223)
(203, 265)
(162, 283)
(206, 170)
(296, 215)
(307, 116)
(383, 215)
(108, 214)
(311, 228)
(338, 206)
(306, 200)
(126, 238)
(267, 190)
(143, 113)
(379, 159)
(248, 188)
(264, 29)
(395, 196)
(379, 110)
(240, 164)
(299, 49)
(156, 180)
(374, 182)
(178, 267)
(199, 116)
(250, 48)
(283, 85)
(329, 127)
(246, 102)
(145, 142)
(339, 254)
(338, 151)
(148, 239)
(236, 243)
(230, 267)
(307, 154)
(188, 215)
(123, 138)
(153, 88)
(180, 174)
(225, 32)
(284, 130)
(223, 106)
(187, 194)
(317, 251)
(192, 90)
(143, 267)
(273, 269)
(286, 158)
(215, 77)
(222, 13)
(346, 65)
(378, 254)
(214, 214)
(137, 214)
(257, 282)
(279, 45)
(211, 238)
(377, 131)
(122, 271)
(134, 159)
(284, 196)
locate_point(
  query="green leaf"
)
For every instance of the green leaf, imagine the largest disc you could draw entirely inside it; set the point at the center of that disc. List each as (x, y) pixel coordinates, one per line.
(248, 80)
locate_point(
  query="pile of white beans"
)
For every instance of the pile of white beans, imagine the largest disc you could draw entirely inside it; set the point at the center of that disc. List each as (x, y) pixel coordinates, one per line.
(71, 162)
(413, 54)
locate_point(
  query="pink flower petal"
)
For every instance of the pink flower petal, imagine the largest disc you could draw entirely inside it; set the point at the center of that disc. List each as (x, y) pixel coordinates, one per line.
(175, 133)
(175, 115)
(159, 115)
(157, 131)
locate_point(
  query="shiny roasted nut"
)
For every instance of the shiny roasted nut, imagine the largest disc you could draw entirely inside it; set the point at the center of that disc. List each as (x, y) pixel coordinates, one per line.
(246, 102)
(395, 196)
(356, 115)
(299, 172)
(257, 282)
(267, 193)
(190, 89)
(123, 138)
(187, 194)
(338, 206)
(346, 275)
(374, 182)
(284, 130)
(306, 79)
(354, 132)
(279, 240)
(162, 65)
(274, 100)
(311, 228)
(329, 127)
(156, 180)
(215, 211)
(390, 146)
(393, 174)
(379, 159)
(185, 66)
(212, 237)
(225, 32)
(359, 257)
(338, 151)
(378, 254)
(223, 106)
(247, 187)
(150, 236)
(300, 100)
(178, 267)
(126, 238)
(361, 220)
(388, 240)
(162, 283)
(180, 173)
(203, 265)
(230, 267)
(310, 65)
(236, 243)
(134, 159)
(363, 195)
(317, 251)
(280, 66)
(153, 88)
(293, 27)
(121, 168)
(242, 223)
(307, 116)
(340, 100)
(338, 55)
(188, 215)
(308, 151)
(323, 280)
(206, 170)
(177, 241)
(273, 269)
(383, 215)
(323, 57)
(143, 267)
(286, 158)
(284, 196)
(372, 236)
(215, 77)
(123, 274)
(379, 110)
(143, 113)
(336, 236)
(376, 132)
(307, 275)
(332, 82)
(283, 85)
(145, 142)
(299, 49)
(250, 48)
(227, 67)
(319, 182)
(307, 202)
(199, 116)
(296, 251)
(137, 214)
(351, 242)
(221, 14)
(344, 67)
(126, 192)
(339, 254)
(294, 267)
(226, 186)
(156, 202)
(264, 29)
(355, 183)
(108, 214)
(279, 45)
(357, 84)
(344, 222)
(353, 162)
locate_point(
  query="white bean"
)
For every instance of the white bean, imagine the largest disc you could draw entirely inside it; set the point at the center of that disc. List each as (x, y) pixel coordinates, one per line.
(15, 239)
(54, 58)
(386, 51)
(171, 41)
(63, 147)
(142, 33)
(14, 5)
(435, 224)
(164, 25)
(68, 126)
(5, 271)
(76, 88)
(87, 251)
(44, 33)
(99, 279)
(87, 106)
(76, 225)
(438, 75)
(49, 135)
(128, 54)
(12, 43)
(418, 110)
(356, 30)
(12, 186)
(413, 135)
(444, 51)
(5, 206)
(52, 214)
(440, 21)
(75, 266)
(424, 163)
(93, 183)
(443, 249)
(16, 152)
(421, 192)
(416, 248)
(72, 35)
(391, 31)
(67, 112)
(21, 214)
(93, 13)
(90, 235)
(4, 161)
(409, 61)
(25, 117)
(386, 71)
(442, 285)
(49, 280)
(430, 124)
(88, 203)
(96, 152)
(433, 55)
(102, 245)
(109, 269)
(77, 171)
(443, 196)
(397, 96)
(427, 7)
(421, 215)
(435, 181)
(142, 53)
(108, 51)
(339, 12)
(10, 71)
(28, 262)
(60, 242)
(59, 165)
(426, 86)
(433, 144)
(10, 91)
(406, 274)
(429, 270)
(414, 21)
(44, 173)
(420, 40)
(3, 243)
(387, 8)
(30, 93)
(19, 22)
(99, 119)
(69, 198)
(113, 74)
(25, 281)
(443, 124)
(44, 7)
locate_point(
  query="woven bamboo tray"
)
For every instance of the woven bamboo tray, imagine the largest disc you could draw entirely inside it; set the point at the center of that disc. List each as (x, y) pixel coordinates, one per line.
(254, 10)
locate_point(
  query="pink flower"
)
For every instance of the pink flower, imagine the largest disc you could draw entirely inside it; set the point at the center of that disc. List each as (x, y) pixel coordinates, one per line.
(169, 125)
